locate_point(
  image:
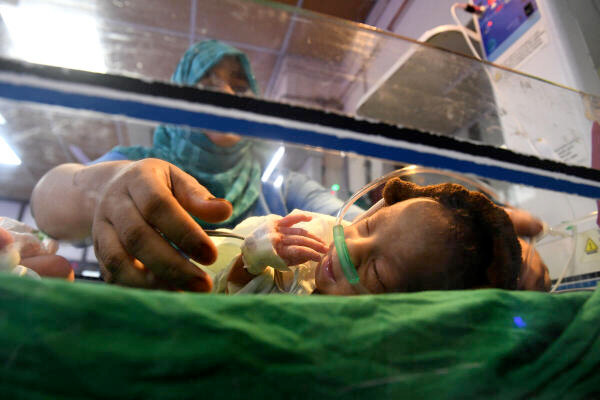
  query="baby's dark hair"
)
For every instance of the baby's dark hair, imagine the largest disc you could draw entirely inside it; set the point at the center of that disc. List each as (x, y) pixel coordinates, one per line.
(488, 253)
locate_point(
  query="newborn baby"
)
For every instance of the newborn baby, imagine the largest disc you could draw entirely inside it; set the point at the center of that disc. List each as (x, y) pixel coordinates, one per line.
(436, 237)
(26, 251)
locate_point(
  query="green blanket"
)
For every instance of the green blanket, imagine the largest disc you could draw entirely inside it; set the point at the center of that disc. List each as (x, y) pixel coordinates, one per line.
(84, 340)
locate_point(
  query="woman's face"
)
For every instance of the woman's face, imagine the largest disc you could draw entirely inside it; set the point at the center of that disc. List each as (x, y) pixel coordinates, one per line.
(227, 76)
(399, 248)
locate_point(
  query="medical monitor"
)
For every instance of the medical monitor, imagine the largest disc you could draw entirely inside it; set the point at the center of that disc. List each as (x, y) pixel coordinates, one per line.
(503, 22)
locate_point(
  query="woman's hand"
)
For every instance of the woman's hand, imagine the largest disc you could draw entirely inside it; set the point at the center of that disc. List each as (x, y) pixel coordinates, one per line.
(139, 211)
(296, 245)
(525, 224)
(133, 210)
(534, 273)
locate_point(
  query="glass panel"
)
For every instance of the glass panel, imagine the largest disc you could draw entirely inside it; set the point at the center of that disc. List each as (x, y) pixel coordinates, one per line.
(44, 137)
(306, 59)
(313, 60)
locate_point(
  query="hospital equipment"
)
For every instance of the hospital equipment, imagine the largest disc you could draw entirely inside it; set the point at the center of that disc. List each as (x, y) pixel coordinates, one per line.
(57, 336)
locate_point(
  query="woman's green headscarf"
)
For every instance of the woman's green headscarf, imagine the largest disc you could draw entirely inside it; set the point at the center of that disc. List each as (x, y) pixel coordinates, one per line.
(232, 172)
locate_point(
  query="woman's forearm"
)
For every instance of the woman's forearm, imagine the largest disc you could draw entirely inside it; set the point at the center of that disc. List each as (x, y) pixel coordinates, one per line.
(64, 200)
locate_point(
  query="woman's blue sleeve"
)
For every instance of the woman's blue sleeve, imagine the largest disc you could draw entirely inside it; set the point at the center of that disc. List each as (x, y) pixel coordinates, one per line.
(110, 156)
(299, 191)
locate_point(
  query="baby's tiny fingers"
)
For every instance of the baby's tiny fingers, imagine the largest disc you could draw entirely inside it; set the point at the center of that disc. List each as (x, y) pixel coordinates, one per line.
(294, 255)
(5, 238)
(299, 232)
(295, 240)
(290, 220)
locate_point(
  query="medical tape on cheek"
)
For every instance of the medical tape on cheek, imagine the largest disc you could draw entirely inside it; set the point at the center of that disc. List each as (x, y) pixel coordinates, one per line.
(348, 267)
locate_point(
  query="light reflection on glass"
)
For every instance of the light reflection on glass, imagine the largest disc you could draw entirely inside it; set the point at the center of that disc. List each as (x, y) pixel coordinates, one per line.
(273, 163)
(47, 35)
(7, 154)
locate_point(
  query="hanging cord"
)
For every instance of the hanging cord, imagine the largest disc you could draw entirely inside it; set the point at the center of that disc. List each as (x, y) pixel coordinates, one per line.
(556, 231)
(550, 231)
(472, 9)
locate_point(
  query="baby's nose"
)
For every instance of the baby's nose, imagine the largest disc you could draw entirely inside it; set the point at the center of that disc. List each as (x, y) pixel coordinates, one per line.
(358, 248)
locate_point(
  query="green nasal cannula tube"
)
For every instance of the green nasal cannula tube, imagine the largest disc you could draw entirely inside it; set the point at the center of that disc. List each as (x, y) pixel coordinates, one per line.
(342, 250)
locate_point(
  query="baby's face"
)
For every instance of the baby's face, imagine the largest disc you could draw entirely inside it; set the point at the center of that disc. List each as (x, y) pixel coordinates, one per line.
(397, 249)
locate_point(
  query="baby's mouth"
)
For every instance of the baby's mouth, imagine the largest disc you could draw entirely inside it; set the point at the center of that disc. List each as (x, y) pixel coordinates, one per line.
(327, 266)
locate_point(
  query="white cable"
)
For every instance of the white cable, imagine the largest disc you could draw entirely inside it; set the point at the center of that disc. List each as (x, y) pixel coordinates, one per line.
(556, 231)
(463, 30)
(569, 264)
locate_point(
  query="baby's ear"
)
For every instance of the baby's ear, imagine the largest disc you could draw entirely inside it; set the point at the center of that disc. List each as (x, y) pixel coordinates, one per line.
(397, 190)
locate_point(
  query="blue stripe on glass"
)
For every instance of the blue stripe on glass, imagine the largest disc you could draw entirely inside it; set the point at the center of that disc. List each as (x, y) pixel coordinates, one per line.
(152, 112)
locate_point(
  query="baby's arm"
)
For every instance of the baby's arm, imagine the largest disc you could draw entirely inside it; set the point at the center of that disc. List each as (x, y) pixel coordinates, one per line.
(278, 244)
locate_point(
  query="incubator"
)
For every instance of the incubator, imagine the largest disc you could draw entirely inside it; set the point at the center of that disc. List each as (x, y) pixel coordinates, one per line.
(78, 79)
(439, 113)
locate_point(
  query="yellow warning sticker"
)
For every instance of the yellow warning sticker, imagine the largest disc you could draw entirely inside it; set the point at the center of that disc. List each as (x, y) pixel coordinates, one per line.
(591, 247)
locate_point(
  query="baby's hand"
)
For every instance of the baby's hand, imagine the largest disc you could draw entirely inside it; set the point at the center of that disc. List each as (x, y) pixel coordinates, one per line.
(276, 244)
(296, 245)
(21, 246)
(9, 255)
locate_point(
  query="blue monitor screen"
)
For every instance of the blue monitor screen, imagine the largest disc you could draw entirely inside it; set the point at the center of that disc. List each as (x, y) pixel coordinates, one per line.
(503, 22)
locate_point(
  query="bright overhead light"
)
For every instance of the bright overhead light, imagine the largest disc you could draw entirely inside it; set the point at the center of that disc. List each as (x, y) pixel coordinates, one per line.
(273, 163)
(2, 119)
(278, 181)
(7, 154)
(43, 34)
